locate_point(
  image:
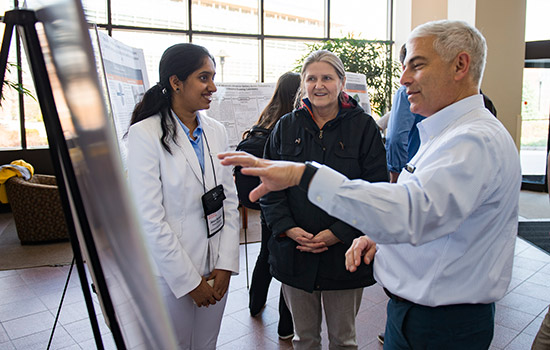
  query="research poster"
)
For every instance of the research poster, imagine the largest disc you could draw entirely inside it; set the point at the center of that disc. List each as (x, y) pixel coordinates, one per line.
(126, 77)
(238, 106)
(356, 87)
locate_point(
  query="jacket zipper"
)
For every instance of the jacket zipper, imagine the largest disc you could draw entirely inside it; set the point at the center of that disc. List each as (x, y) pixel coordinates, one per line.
(321, 134)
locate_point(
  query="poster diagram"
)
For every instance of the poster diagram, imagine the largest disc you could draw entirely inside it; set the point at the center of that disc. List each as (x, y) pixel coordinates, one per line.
(238, 106)
(126, 76)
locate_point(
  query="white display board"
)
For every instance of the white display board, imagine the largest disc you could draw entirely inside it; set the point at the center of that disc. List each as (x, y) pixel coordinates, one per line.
(126, 77)
(238, 106)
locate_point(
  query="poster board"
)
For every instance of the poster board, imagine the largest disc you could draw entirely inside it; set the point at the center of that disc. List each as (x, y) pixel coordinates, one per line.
(356, 87)
(238, 106)
(106, 222)
(126, 79)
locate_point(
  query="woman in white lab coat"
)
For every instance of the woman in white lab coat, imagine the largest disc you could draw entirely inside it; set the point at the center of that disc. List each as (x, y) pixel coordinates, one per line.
(172, 171)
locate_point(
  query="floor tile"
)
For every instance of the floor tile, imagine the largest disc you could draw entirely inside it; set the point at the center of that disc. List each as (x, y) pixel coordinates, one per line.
(540, 278)
(73, 312)
(369, 323)
(545, 269)
(61, 339)
(245, 343)
(528, 263)
(21, 308)
(11, 281)
(3, 335)
(52, 300)
(503, 336)
(28, 325)
(521, 245)
(513, 319)
(534, 290)
(523, 303)
(521, 342)
(514, 282)
(517, 320)
(11, 295)
(7, 346)
(5, 273)
(236, 301)
(533, 328)
(535, 253)
(521, 273)
(375, 293)
(231, 330)
(81, 331)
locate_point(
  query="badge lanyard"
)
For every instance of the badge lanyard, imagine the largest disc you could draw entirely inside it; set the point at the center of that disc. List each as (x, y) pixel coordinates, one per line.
(212, 201)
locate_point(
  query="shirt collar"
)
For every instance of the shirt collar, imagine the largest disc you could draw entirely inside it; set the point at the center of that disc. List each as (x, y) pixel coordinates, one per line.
(198, 130)
(436, 123)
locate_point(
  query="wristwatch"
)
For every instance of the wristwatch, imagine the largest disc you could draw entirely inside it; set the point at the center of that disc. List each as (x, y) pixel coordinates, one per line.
(309, 172)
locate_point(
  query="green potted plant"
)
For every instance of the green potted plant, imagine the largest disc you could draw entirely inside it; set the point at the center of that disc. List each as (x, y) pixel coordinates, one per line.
(368, 57)
(12, 84)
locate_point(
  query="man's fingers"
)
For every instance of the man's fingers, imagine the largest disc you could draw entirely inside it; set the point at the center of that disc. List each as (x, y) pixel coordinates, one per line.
(238, 158)
(258, 192)
(369, 254)
(254, 171)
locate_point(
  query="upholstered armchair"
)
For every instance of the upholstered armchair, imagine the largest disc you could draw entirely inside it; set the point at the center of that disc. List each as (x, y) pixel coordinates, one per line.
(37, 210)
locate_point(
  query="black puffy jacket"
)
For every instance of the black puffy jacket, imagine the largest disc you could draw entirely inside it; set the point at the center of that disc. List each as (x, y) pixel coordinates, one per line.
(350, 144)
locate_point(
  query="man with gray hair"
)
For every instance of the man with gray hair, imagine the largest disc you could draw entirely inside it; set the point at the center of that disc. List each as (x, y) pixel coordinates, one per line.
(446, 230)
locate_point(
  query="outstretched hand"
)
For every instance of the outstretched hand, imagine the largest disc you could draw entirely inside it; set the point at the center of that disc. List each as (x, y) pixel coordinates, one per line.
(361, 247)
(275, 175)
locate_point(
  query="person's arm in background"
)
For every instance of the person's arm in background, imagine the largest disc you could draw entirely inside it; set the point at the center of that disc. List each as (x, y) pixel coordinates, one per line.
(397, 139)
(383, 121)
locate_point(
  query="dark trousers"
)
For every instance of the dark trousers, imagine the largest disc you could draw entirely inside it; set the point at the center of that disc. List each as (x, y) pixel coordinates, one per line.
(452, 327)
(261, 278)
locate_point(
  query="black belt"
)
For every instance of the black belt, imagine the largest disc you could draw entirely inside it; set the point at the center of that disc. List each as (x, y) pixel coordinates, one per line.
(396, 298)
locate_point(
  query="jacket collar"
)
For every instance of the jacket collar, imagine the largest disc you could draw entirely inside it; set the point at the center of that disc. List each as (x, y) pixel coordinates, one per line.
(346, 104)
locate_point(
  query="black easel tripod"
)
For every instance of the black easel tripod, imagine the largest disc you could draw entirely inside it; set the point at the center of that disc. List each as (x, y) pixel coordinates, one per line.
(25, 21)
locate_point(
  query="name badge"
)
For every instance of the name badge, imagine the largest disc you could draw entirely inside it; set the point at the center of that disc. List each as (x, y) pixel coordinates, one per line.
(212, 203)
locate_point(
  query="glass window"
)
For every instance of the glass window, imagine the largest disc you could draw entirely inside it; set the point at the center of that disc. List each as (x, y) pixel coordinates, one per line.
(5, 5)
(536, 27)
(170, 14)
(535, 113)
(35, 131)
(10, 135)
(295, 18)
(236, 58)
(358, 18)
(95, 11)
(227, 16)
(282, 56)
(153, 45)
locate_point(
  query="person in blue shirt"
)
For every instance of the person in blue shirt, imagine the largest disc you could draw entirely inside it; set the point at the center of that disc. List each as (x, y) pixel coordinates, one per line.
(402, 140)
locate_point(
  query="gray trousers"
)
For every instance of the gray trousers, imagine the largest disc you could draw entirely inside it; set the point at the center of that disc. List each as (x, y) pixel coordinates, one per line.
(195, 328)
(340, 306)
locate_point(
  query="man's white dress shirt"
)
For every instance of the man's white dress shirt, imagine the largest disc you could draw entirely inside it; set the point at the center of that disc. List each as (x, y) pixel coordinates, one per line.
(446, 231)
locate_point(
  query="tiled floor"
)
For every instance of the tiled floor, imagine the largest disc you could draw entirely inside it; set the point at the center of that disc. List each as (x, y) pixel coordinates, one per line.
(29, 299)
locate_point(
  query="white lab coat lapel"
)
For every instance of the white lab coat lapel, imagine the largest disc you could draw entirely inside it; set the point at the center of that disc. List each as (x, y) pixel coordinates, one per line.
(188, 152)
